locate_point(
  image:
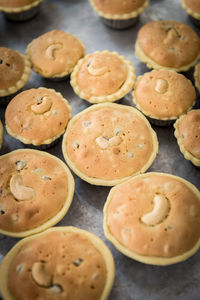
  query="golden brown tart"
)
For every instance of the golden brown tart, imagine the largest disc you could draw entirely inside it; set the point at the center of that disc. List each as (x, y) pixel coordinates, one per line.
(108, 143)
(60, 263)
(163, 96)
(14, 73)
(38, 117)
(54, 54)
(187, 133)
(168, 44)
(119, 14)
(192, 7)
(154, 218)
(102, 77)
(20, 10)
(36, 191)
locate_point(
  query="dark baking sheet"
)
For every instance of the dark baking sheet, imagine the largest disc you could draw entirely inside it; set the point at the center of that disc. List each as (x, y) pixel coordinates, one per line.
(133, 280)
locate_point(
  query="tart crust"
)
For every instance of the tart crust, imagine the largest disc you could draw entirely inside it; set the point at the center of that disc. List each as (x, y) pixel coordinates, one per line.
(121, 16)
(34, 139)
(20, 9)
(188, 155)
(197, 76)
(153, 65)
(21, 82)
(37, 173)
(121, 92)
(38, 69)
(130, 113)
(168, 119)
(96, 242)
(148, 259)
(189, 11)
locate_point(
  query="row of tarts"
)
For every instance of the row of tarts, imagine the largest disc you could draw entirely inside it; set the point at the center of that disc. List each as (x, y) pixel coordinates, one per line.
(153, 217)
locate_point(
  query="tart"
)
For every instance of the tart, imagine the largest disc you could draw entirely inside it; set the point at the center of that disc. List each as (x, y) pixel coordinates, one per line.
(102, 77)
(192, 8)
(108, 143)
(36, 192)
(14, 73)
(20, 10)
(60, 263)
(163, 96)
(119, 14)
(54, 54)
(187, 133)
(168, 45)
(154, 218)
(38, 117)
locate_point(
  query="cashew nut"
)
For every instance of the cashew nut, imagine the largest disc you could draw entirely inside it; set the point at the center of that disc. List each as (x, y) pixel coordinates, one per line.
(19, 191)
(94, 69)
(161, 86)
(105, 142)
(42, 107)
(40, 274)
(50, 51)
(159, 212)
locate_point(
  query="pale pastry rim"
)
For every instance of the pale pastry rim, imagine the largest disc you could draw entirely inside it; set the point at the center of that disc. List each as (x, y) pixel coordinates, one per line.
(56, 218)
(106, 182)
(21, 82)
(60, 75)
(151, 64)
(187, 155)
(121, 92)
(146, 113)
(94, 239)
(152, 260)
(20, 9)
(190, 11)
(49, 140)
(126, 16)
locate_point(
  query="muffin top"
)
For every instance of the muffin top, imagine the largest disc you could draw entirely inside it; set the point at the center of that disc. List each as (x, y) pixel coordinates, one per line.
(37, 116)
(188, 132)
(107, 143)
(101, 75)
(169, 44)
(61, 263)
(163, 94)
(36, 188)
(12, 67)
(55, 53)
(118, 7)
(193, 5)
(154, 218)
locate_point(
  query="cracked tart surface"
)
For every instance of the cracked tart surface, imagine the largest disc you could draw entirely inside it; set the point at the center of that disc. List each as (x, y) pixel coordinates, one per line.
(14, 71)
(108, 143)
(55, 53)
(168, 44)
(61, 263)
(36, 190)
(102, 77)
(187, 133)
(154, 218)
(37, 116)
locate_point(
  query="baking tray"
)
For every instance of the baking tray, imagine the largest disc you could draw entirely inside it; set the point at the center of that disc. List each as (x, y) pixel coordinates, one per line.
(133, 280)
